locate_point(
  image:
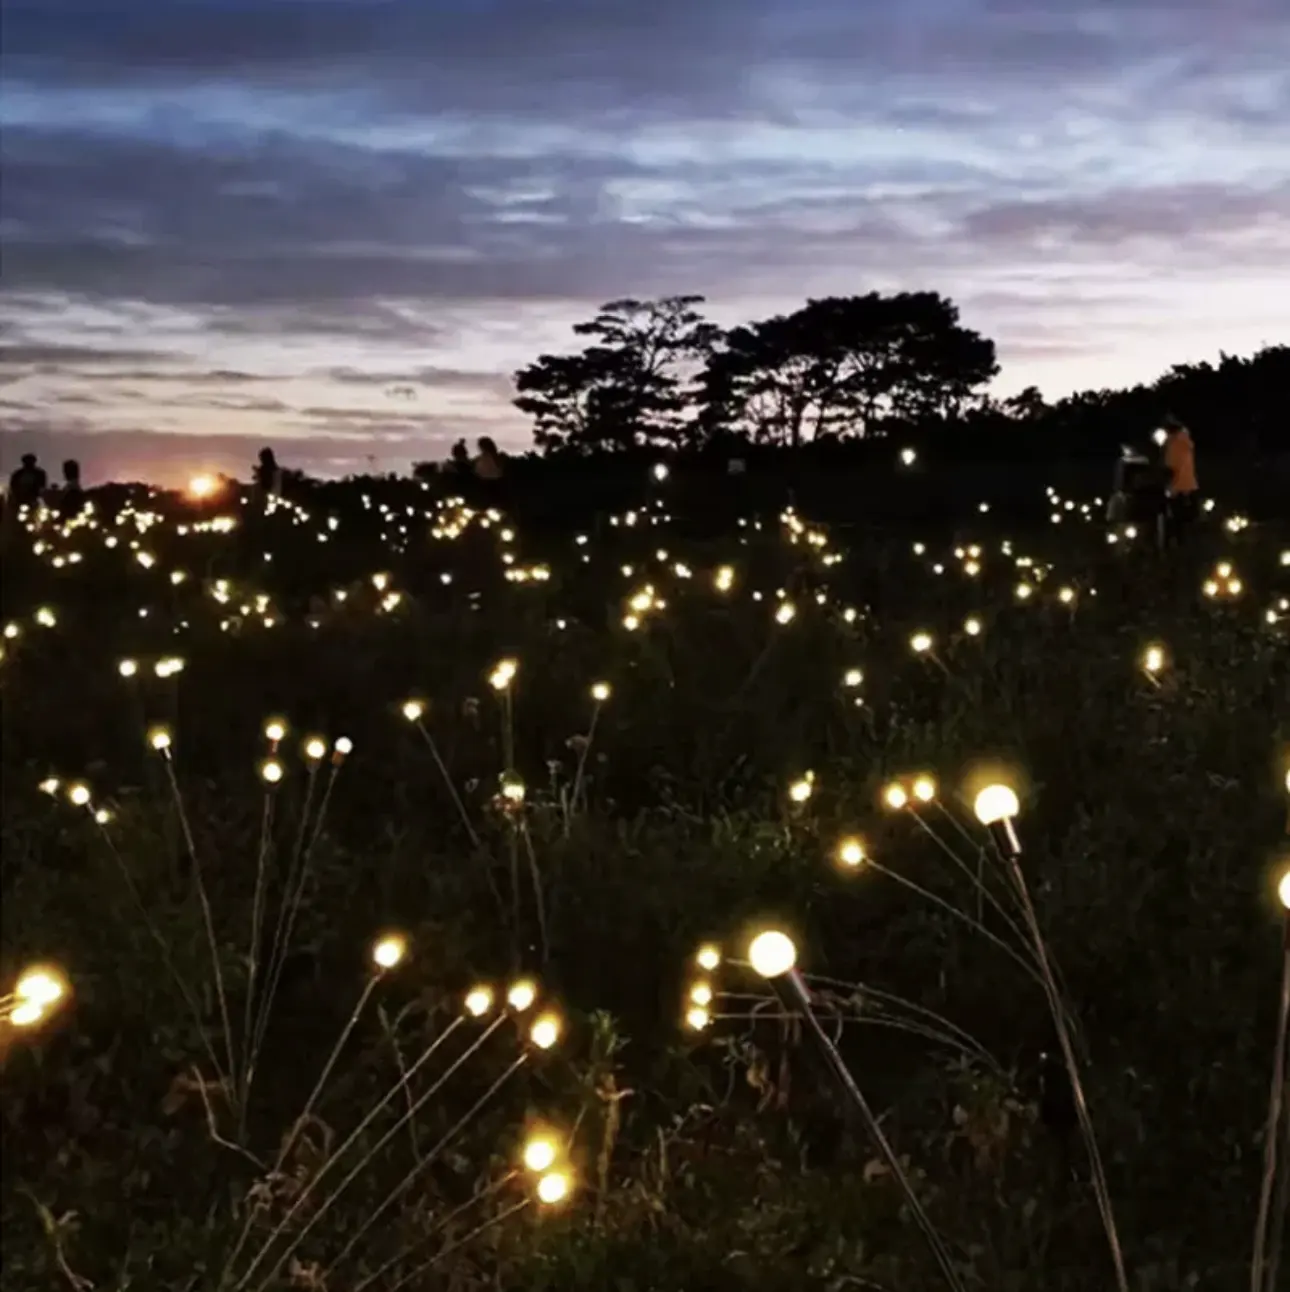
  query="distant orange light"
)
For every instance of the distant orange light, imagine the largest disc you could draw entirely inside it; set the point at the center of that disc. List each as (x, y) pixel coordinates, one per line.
(200, 487)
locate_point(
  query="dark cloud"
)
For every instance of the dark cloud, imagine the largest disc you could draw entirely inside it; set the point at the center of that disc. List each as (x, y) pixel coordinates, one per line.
(36, 355)
(565, 57)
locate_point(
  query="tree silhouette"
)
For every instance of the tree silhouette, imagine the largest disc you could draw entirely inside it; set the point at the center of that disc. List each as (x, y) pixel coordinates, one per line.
(842, 365)
(630, 387)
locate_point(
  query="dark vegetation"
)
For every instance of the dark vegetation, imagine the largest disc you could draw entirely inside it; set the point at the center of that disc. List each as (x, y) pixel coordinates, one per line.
(657, 820)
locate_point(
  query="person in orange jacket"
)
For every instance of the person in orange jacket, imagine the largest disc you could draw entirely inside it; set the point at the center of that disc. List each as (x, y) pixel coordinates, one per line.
(1183, 492)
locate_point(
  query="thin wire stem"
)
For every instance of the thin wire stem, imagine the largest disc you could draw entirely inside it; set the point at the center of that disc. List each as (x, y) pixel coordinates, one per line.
(479, 1196)
(451, 1134)
(356, 1170)
(460, 1243)
(207, 917)
(371, 1116)
(1276, 1098)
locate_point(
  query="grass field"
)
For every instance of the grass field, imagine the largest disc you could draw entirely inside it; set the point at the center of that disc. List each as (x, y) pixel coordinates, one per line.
(688, 733)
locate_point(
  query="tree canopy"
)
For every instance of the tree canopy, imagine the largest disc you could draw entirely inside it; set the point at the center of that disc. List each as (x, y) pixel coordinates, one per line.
(659, 374)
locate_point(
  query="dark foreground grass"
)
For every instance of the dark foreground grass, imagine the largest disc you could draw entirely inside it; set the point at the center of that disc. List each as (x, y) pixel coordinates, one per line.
(650, 823)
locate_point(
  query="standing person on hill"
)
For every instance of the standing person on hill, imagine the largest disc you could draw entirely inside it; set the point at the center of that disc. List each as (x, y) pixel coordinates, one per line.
(1182, 492)
(268, 478)
(488, 463)
(488, 470)
(27, 484)
(71, 499)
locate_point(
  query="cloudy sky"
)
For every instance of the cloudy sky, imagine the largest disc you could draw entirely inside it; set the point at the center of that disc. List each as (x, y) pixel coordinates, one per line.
(338, 225)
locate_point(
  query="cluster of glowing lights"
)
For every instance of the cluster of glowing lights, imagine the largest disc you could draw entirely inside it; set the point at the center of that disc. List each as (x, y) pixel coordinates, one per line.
(35, 996)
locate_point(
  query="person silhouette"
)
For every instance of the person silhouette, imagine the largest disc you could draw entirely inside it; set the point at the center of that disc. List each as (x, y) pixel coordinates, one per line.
(460, 458)
(268, 476)
(488, 462)
(71, 500)
(27, 484)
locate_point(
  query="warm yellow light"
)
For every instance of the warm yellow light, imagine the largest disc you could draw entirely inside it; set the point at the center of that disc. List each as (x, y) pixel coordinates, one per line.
(772, 953)
(920, 643)
(707, 958)
(479, 1001)
(127, 668)
(413, 709)
(503, 674)
(275, 729)
(545, 1031)
(26, 1014)
(271, 771)
(996, 803)
(851, 852)
(159, 738)
(202, 486)
(79, 795)
(521, 995)
(700, 994)
(600, 692)
(1283, 889)
(1153, 659)
(540, 1153)
(553, 1188)
(315, 748)
(924, 789)
(972, 626)
(697, 1018)
(41, 987)
(389, 950)
(801, 790)
(894, 796)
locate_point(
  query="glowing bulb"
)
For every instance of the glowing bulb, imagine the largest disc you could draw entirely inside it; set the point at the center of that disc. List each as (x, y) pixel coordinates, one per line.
(707, 958)
(413, 709)
(521, 995)
(1283, 890)
(785, 613)
(924, 789)
(539, 1154)
(996, 803)
(1153, 659)
(79, 795)
(697, 1018)
(389, 950)
(772, 953)
(600, 692)
(852, 677)
(801, 790)
(894, 796)
(202, 487)
(127, 668)
(972, 626)
(275, 729)
(920, 643)
(545, 1031)
(159, 738)
(26, 1014)
(479, 1001)
(700, 994)
(851, 852)
(553, 1188)
(315, 748)
(503, 674)
(40, 987)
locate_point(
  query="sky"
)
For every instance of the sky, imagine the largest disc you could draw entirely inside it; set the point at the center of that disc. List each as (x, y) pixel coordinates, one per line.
(338, 226)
